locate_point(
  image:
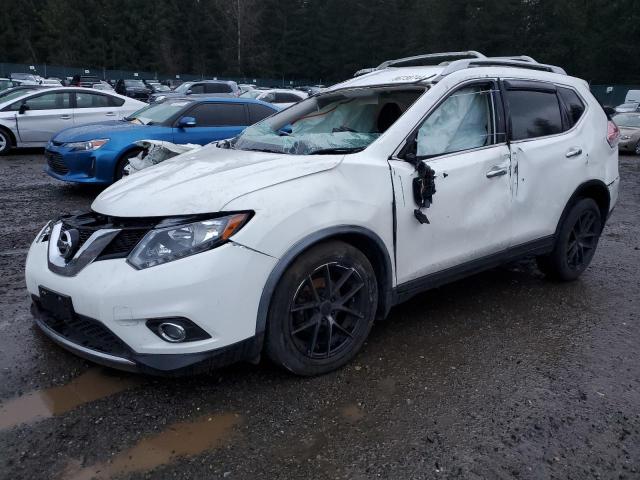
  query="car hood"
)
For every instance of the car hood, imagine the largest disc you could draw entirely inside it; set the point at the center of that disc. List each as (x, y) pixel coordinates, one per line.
(204, 181)
(101, 130)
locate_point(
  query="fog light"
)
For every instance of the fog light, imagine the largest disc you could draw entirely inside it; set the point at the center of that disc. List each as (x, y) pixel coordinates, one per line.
(176, 329)
(172, 332)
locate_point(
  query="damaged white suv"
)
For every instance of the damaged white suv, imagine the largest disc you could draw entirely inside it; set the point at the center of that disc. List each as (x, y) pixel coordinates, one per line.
(291, 238)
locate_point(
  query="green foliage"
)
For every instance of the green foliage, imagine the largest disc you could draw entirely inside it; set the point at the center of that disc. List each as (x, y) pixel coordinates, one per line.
(319, 39)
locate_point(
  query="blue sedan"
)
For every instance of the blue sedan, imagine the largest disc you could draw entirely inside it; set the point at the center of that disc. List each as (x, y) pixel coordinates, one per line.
(97, 153)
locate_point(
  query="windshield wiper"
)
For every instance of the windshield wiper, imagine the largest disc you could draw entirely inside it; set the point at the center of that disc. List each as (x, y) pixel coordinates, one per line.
(336, 150)
(260, 150)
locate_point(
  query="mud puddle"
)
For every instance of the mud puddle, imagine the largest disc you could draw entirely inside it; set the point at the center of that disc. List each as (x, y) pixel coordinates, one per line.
(183, 439)
(39, 404)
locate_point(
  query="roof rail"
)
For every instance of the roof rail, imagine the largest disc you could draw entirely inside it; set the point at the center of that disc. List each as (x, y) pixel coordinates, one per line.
(469, 53)
(498, 62)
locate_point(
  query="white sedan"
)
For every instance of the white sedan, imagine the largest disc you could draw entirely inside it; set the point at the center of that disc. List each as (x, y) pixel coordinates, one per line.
(32, 119)
(279, 96)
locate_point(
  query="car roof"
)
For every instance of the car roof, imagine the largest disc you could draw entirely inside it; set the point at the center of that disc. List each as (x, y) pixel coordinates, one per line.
(192, 99)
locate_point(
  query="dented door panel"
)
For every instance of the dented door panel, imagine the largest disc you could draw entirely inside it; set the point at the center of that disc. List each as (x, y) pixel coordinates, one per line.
(470, 216)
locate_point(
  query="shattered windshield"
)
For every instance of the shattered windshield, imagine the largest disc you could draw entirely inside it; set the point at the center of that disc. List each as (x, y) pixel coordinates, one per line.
(340, 122)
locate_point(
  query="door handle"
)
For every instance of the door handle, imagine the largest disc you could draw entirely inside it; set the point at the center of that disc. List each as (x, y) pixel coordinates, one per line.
(497, 171)
(65, 117)
(110, 114)
(573, 152)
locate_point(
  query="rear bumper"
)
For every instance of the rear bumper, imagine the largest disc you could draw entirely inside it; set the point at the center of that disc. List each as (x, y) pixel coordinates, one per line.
(123, 358)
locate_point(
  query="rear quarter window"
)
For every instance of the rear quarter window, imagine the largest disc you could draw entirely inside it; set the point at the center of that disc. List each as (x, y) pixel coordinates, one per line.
(115, 101)
(533, 114)
(573, 104)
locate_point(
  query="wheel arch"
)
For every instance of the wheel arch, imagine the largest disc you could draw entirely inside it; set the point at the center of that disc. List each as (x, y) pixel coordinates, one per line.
(594, 189)
(12, 137)
(125, 151)
(365, 240)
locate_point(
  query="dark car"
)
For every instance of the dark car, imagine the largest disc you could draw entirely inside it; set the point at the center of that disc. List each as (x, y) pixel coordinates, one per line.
(156, 86)
(134, 88)
(201, 88)
(87, 81)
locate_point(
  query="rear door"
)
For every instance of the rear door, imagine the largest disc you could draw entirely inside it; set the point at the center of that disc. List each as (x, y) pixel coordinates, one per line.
(95, 107)
(214, 121)
(550, 153)
(45, 115)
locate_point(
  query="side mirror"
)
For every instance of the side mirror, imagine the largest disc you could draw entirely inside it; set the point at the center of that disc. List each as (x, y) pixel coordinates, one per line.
(188, 92)
(186, 122)
(23, 108)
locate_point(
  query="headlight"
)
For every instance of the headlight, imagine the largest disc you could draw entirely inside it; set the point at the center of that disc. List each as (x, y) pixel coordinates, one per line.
(172, 243)
(88, 146)
(159, 98)
(43, 236)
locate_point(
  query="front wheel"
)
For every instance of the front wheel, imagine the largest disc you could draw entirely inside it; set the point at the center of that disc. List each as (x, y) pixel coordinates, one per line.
(5, 142)
(322, 310)
(576, 242)
(123, 163)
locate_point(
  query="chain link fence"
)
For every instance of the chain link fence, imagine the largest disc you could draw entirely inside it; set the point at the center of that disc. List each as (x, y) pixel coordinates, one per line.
(63, 72)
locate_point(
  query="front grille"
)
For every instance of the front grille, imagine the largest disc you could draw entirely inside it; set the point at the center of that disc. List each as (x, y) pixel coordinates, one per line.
(84, 233)
(55, 162)
(85, 331)
(123, 243)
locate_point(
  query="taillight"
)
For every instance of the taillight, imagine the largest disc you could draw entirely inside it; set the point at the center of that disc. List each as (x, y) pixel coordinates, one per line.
(613, 133)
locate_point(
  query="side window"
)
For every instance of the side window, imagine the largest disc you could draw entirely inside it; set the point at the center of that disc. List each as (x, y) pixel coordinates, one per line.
(197, 88)
(286, 98)
(47, 101)
(463, 121)
(91, 100)
(217, 88)
(219, 114)
(573, 104)
(258, 112)
(533, 113)
(268, 97)
(115, 101)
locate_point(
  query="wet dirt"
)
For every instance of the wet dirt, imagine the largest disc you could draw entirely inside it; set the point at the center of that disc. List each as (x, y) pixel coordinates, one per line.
(501, 375)
(180, 440)
(92, 385)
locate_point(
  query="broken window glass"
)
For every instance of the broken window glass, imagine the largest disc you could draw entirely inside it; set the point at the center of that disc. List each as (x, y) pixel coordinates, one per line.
(340, 122)
(462, 122)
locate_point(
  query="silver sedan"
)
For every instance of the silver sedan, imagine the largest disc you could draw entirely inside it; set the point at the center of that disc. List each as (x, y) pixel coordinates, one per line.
(32, 119)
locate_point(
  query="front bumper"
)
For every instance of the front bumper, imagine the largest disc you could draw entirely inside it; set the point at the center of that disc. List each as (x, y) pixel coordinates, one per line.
(218, 290)
(95, 167)
(154, 364)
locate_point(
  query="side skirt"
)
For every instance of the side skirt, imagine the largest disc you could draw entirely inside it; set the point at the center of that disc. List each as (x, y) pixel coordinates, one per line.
(411, 288)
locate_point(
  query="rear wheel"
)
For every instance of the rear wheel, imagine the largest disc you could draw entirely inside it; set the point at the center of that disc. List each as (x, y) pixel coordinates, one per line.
(5, 142)
(638, 148)
(322, 310)
(576, 242)
(123, 162)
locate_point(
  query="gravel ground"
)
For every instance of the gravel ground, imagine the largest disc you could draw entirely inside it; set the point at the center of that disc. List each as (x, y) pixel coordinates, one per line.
(501, 375)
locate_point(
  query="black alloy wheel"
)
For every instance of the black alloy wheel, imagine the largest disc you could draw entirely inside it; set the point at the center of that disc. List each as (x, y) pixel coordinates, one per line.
(322, 309)
(575, 243)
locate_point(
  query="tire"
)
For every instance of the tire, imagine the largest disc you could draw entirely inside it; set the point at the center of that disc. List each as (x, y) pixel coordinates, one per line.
(5, 142)
(575, 244)
(123, 162)
(312, 329)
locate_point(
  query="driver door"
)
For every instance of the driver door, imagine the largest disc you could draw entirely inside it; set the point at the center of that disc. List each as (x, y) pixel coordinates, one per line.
(462, 144)
(45, 115)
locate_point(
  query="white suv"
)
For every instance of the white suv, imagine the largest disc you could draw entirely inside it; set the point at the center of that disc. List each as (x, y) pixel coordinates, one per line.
(291, 238)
